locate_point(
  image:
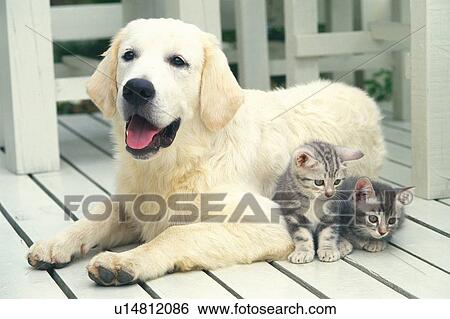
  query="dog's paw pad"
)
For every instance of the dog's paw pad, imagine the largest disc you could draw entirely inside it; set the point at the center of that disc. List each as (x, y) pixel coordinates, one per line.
(116, 276)
(105, 275)
(328, 255)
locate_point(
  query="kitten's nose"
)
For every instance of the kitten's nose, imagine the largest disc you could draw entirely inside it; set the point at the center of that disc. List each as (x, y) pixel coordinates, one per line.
(329, 193)
(382, 232)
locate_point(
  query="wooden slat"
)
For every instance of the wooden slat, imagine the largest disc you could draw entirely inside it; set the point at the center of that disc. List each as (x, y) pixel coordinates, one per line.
(74, 88)
(27, 94)
(398, 153)
(85, 22)
(413, 275)
(252, 44)
(260, 280)
(327, 44)
(340, 280)
(40, 218)
(17, 279)
(402, 125)
(424, 243)
(398, 136)
(301, 18)
(430, 93)
(429, 212)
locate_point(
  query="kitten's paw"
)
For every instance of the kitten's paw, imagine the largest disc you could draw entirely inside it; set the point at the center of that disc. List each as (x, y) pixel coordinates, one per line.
(301, 257)
(328, 255)
(345, 247)
(375, 246)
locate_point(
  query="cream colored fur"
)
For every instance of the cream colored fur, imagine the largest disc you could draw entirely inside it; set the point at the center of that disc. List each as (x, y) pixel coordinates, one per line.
(227, 143)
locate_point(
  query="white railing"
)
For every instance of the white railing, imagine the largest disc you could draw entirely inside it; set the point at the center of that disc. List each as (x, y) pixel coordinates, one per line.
(29, 88)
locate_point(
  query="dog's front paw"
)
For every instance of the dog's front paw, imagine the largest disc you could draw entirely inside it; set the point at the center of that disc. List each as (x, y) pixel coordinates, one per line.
(49, 254)
(301, 257)
(375, 246)
(112, 269)
(328, 255)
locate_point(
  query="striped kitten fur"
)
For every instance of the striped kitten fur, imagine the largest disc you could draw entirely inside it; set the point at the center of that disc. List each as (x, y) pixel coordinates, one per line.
(311, 178)
(371, 212)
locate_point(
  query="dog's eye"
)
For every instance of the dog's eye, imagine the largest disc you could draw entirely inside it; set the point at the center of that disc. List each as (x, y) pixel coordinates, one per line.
(128, 55)
(177, 61)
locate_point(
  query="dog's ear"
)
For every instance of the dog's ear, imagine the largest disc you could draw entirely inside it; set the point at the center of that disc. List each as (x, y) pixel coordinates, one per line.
(102, 86)
(220, 95)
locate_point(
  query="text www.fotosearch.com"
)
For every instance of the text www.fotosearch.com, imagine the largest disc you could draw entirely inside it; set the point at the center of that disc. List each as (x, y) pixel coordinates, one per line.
(166, 308)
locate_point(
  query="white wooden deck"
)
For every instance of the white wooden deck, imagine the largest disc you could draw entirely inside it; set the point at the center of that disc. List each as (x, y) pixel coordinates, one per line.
(415, 265)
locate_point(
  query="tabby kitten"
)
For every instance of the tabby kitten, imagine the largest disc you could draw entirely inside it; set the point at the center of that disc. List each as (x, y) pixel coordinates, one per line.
(372, 210)
(307, 184)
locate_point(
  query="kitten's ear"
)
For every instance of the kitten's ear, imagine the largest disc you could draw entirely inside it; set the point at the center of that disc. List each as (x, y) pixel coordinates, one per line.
(347, 154)
(303, 158)
(364, 189)
(405, 195)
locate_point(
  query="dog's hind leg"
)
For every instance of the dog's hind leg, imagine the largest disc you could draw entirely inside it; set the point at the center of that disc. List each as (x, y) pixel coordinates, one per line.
(79, 238)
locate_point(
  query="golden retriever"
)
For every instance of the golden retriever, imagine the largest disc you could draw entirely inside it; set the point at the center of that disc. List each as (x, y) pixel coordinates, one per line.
(183, 125)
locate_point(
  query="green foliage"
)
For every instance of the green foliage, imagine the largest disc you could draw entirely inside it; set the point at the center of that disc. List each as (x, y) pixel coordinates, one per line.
(380, 85)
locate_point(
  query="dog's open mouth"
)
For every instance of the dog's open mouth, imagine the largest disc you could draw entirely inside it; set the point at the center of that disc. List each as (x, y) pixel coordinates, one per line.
(142, 137)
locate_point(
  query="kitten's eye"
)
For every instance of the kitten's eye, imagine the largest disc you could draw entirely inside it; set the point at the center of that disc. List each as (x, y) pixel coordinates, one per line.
(337, 182)
(392, 221)
(318, 182)
(128, 55)
(177, 61)
(373, 219)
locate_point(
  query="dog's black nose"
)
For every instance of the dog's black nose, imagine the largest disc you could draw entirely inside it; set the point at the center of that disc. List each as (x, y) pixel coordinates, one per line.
(138, 91)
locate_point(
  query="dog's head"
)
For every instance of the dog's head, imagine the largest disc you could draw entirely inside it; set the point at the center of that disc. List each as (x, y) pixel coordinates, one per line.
(159, 74)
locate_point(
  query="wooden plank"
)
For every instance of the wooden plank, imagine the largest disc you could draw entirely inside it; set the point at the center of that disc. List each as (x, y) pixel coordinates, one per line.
(40, 218)
(85, 126)
(430, 212)
(326, 44)
(398, 153)
(340, 17)
(73, 88)
(401, 83)
(300, 20)
(204, 14)
(425, 243)
(401, 125)
(17, 279)
(84, 65)
(252, 44)
(388, 30)
(396, 173)
(430, 95)
(86, 21)
(399, 268)
(340, 280)
(397, 136)
(27, 91)
(260, 280)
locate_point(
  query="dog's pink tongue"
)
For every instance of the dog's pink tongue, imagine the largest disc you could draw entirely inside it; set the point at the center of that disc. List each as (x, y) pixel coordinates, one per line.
(140, 133)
